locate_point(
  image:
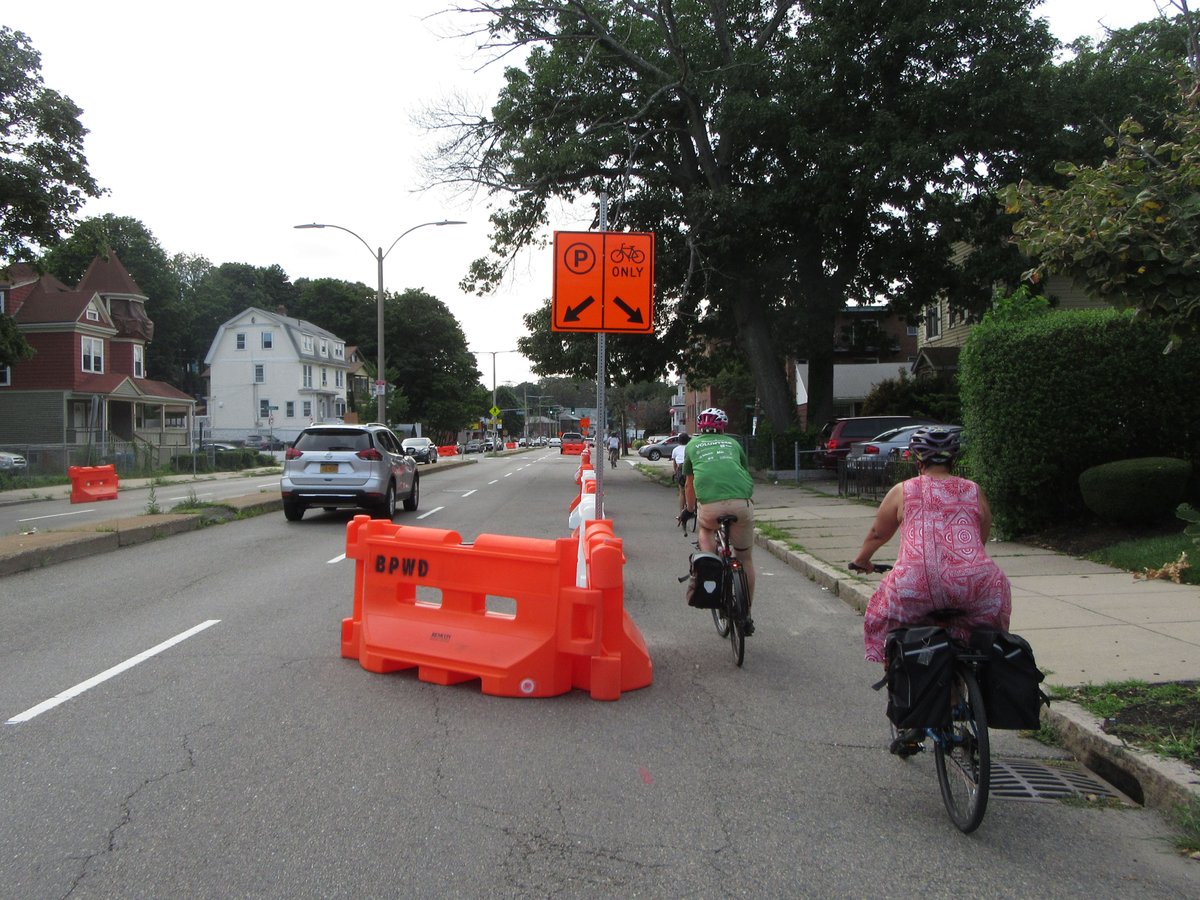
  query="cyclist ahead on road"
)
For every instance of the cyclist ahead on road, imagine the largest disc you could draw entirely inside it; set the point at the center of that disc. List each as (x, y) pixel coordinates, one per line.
(944, 522)
(677, 455)
(719, 483)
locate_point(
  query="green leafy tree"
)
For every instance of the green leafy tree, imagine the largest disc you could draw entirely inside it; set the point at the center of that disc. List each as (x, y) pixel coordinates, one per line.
(1126, 228)
(13, 346)
(789, 156)
(44, 179)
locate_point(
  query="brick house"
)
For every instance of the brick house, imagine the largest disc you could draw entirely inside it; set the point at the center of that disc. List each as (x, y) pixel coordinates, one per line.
(87, 385)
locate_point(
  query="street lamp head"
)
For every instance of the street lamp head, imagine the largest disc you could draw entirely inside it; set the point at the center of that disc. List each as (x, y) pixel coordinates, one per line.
(309, 225)
(449, 222)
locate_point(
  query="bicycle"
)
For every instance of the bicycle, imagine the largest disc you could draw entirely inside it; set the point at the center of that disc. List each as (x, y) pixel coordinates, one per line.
(613, 453)
(962, 750)
(730, 617)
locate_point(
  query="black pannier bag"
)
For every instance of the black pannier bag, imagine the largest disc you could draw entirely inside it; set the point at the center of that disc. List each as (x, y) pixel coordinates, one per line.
(705, 572)
(1009, 680)
(920, 666)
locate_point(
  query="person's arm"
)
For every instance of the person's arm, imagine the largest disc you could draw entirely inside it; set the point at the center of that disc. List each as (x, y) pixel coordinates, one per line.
(887, 520)
(985, 517)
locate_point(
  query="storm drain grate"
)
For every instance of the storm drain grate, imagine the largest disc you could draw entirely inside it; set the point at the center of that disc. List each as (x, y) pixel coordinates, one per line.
(1030, 780)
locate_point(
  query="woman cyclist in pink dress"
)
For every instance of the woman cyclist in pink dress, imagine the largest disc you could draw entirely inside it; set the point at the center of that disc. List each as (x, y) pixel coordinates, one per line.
(944, 522)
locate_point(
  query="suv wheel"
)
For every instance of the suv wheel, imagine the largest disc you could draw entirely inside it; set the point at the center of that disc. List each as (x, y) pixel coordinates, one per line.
(414, 496)
(387, 509)
(293, 511)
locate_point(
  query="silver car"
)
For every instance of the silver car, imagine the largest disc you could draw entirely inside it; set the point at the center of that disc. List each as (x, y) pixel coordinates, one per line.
(11, 463)
(885, 447)
(348, 466)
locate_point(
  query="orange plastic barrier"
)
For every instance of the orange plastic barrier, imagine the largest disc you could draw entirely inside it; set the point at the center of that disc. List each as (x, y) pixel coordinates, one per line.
(449, 450)
(574, 448)
(89, 483)
(511, 445)
(560, 636)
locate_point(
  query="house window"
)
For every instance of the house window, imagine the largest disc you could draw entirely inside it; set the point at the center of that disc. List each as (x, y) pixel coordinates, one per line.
(324, 347)
(268, 340)
(5, 376)
(306, 343)
(912, 330)
(240, 341)
(307, 409)
(260, 375)
(339, 351)
(324, 377)
(289, 409)
(139, 361)
(93, 314)
(93, 355)
(175, 420)
(933, 322)
(3, 299)
(339, 378)
(306, 372)
(264, 409)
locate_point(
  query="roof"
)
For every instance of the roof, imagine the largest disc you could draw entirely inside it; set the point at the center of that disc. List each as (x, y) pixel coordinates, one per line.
(939, 359)
(51, 301)
(128, 386)
(106, 275)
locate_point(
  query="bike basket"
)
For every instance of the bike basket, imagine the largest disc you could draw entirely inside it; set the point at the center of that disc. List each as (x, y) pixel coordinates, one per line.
(706, 573)
(1009, 680)
(920, 663)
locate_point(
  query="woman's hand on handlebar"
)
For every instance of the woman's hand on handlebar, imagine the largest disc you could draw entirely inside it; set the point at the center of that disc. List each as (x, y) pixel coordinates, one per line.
(870, 567)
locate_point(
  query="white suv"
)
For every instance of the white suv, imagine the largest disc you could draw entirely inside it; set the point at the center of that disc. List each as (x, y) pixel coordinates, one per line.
(348, 466)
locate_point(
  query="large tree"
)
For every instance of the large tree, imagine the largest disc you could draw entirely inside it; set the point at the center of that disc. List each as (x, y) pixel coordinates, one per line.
(790, 156)
(44, 178)
(1126, 227)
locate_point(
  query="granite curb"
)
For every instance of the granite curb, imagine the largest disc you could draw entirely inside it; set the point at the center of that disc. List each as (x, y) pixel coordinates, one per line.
(1152, 781)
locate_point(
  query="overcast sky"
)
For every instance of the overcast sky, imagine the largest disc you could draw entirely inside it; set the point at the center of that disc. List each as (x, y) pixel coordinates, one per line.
(221, 125)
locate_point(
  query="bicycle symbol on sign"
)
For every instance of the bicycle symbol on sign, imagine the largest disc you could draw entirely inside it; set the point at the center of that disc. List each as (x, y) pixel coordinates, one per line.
(627, 251)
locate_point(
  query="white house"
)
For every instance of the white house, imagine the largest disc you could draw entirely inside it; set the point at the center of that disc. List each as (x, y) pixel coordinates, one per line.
(269, 373)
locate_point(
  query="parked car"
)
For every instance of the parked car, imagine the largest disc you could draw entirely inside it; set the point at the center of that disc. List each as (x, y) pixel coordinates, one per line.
(422, 449)
(892, 444)
(217, 447)
(555, 442)
(348, 466)
(836, 437)
(473, 446)
(658, 449)
(11, 463)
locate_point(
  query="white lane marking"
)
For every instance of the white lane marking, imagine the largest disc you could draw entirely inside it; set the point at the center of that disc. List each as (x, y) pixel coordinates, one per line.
(66, 695)
(75, 512)
(506, 474)
(496, 481)
(431, 512)
(336, 559)
(470, 492)
(189, 496)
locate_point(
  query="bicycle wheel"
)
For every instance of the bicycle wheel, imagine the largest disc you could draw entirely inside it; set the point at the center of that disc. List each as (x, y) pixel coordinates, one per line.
(721, 619)
(739, 597)
(963, 755)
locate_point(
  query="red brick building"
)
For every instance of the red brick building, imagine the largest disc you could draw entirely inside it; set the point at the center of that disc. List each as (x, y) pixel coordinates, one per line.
(87, 383)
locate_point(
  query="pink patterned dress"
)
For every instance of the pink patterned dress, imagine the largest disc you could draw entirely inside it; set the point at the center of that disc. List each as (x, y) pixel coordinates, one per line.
(942, 563)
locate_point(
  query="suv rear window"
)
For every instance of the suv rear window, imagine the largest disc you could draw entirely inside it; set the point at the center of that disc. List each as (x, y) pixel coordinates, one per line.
(572, 437)
(350, 439)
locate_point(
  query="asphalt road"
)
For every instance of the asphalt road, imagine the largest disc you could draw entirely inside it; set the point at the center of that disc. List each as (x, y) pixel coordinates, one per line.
(249, 759)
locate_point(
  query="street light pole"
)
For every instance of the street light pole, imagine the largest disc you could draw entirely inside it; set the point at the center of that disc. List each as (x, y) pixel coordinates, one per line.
(380, 256)
(495, 433)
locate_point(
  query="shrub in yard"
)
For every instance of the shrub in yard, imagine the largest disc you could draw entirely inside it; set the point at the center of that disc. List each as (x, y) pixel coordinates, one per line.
(1136, 490)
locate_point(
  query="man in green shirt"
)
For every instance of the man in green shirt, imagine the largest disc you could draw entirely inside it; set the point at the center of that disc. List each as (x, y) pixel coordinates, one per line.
(719, 483)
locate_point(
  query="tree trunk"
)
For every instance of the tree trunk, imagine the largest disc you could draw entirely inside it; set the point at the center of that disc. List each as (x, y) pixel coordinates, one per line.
(770, 379)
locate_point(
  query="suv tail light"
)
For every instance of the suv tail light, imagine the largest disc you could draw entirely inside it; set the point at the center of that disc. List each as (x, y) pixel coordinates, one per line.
(292, 453)
(871, 450)
(370, 453)
(831, 444)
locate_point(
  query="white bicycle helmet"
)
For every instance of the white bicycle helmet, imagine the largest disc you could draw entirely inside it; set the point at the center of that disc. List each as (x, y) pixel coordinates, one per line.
(712, 420)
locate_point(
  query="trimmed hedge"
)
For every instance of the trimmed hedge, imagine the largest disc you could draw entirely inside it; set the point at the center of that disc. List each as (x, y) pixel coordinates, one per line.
(1136, 490)
(1046, 398)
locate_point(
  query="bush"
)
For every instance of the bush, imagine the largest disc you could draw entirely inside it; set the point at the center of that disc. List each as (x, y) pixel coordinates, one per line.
(1134, 491)
(1048, 397)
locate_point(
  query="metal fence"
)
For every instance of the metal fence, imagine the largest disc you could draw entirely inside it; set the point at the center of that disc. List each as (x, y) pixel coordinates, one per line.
(872, 478)
(45, 460)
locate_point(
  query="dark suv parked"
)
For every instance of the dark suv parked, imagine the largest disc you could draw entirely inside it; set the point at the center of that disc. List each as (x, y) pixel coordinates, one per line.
(837, 436)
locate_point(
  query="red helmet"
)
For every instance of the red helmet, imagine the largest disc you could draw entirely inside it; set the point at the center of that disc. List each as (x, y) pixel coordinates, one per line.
(712, 420)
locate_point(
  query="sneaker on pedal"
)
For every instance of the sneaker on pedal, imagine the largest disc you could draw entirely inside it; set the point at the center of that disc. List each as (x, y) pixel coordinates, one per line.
(748, 627)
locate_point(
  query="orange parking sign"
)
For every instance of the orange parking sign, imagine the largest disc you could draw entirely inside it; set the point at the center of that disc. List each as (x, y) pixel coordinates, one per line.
(603, 281)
